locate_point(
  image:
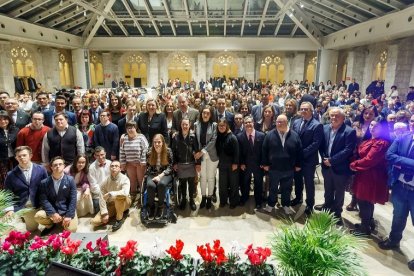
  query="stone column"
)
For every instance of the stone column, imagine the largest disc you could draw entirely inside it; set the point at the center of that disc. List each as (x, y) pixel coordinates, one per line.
(6, 68)
(403, 67)
(250, 68)
(153, 72)
(51, 72)
(201, 67)
(327, 65)
(108, 69)
(81, 71)
(298, 67)
(390, 74)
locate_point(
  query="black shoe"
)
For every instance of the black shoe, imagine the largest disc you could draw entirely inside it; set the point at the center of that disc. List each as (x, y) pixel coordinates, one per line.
(233, 206)
(296, 201)
(321, 207)
(360, 232)
(209, 204)
(193, 206)
(308, 210)
(214, 198)
(258, 206)
(159, 213)
(340, 222)
(151, 213)
(117, 225)
(183, 204)
(388, 245)
(47, 231)
(411, 265)
(222, 204)
(372, 225)
(203, 202)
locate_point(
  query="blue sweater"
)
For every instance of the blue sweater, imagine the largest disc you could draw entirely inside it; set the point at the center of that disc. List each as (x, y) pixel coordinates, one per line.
(108, 138)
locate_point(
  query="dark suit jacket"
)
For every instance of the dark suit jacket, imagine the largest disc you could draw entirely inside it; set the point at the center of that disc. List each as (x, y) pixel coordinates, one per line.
(342, 148)
(23, 191)
(311, 137)
(51, 112)
(96, 120)
(23, 119)
(178, 116)
(64, 202)
(228, 116)
(397, 155)
(122, 124)
(251, 156)
(157, 125)
(257, 111)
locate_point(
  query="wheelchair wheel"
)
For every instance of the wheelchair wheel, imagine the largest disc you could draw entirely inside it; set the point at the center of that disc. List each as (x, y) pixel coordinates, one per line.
(178, 192)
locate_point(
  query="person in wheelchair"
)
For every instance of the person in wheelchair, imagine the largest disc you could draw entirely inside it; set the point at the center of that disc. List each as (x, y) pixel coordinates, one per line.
(184, 145)
(158, 176)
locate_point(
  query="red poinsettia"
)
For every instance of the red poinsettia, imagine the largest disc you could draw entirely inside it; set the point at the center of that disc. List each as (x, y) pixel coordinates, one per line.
(70, 247)
(212, 255)
(257, 256)
(175, 252)
(128, 251)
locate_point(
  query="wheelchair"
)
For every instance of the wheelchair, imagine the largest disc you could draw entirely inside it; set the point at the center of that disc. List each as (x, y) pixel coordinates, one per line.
(168, 216)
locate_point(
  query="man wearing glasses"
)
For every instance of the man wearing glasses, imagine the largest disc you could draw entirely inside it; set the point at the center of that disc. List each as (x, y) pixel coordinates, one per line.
(57, 196)
(32, 136)
(311, 134)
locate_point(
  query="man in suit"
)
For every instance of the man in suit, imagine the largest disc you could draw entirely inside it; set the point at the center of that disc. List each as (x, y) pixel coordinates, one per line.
(77, 108)
(311, 134)
(257, 110)
(400, 157)
(95, 109)
(221, 112)
(336, 151)
(57, 195)
(250, 145)
(281, 154)
(353, 86)
(23, 181)
(238, 124)
(60, 105)
(184, 111)
(42, 102)
(19, 116)
(131, 115)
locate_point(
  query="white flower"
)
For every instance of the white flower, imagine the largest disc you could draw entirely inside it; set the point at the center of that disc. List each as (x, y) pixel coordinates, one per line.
(156, 251)
(236, 249)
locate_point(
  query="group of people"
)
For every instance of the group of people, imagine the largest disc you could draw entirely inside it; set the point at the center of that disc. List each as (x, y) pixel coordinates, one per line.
(266, 136)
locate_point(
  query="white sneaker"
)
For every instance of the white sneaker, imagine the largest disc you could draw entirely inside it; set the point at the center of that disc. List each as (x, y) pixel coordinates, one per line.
(268, 209)
(288, 210)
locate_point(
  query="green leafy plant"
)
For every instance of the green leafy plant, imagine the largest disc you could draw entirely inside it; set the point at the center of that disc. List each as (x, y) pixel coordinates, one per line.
(319, 248)
(6, 200)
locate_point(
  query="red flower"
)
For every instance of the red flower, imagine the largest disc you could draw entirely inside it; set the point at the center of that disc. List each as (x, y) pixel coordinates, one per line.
(257, 256)
(103, 247)
(65, 234)
(89, 246)
(128, 251)
(215, 254)
(37, 244)
(18, 238)
(175, 252)
(70, 247)
(6, 246)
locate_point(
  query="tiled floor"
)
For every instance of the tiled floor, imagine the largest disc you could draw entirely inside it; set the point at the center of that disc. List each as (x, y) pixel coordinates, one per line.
(246, 226)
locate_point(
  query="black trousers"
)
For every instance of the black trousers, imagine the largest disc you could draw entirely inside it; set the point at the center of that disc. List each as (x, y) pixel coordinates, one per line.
(366, 212)
(335, 185)
(158, 188)
(306, 175)
(245, 179)
(184, 183)
(229, 186)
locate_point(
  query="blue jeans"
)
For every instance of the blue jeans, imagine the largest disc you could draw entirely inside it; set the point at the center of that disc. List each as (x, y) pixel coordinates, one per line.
(403, 203)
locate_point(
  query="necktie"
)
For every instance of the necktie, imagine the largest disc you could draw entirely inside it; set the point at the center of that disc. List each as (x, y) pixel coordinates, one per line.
(251, 141)
(408, 177)
(302, 126)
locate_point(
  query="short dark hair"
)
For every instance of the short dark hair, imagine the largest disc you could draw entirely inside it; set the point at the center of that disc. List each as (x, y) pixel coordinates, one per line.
(42, 93)
(38, 113)
(61, 97)
(4, 92)
(56, 158)
(131, 123)
(22, 148)
(61, 114)
(98, 149)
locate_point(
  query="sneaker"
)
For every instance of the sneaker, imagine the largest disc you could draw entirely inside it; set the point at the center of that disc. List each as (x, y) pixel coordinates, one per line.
(268, 209)
(117, 225)
(321, 207)
(288, 210)
(159, 212)
(151, 212)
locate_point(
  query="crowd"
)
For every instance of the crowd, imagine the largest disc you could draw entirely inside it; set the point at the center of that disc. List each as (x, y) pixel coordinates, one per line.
(79, 154)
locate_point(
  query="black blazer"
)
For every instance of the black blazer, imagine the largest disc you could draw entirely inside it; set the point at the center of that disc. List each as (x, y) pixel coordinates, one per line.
(23, 191)
(158, 124)
(342, 148)
(228, 116)
(23, 119)
(64, 202)
(251, 156)
(122, 124)
(311, 137)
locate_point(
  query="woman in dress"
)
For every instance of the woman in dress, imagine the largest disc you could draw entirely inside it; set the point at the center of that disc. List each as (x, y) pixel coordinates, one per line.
(370, 182)
(79, 171)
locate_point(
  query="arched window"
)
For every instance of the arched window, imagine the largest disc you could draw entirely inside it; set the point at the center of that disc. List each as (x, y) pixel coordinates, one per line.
(96, 68)
(380, 67)
(135, 67)
(272, 69)
(225, 65)
(311, 69)
(65, 69)
(180, 67)
(22, 62)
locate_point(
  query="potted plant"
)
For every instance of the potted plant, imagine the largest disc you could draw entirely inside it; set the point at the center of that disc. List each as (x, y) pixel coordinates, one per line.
(177, 263)
(14, 256)
(319, 248)
(213, 259)
(132, 262)
(256, 264)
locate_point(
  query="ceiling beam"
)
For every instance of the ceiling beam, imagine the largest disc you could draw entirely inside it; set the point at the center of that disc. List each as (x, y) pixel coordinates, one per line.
(5, 2)
(119, 23)
(75, 23)
(206, 14)
(279, 24)
(396, 5)
(328, 15)
(101, 18)
(225, 17)
(298, 18)
(94, 19)
(316, 17)
(187, 12)
(106, 28)
(27, 7)
(246, 5)
(294, 30)
(49, 12)
(341, 11)
(63, 18)
(281, 14)
(132, 15)
(167, 10)
(97, 11)
(148, 9)
(365, 7)
(266, 6)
